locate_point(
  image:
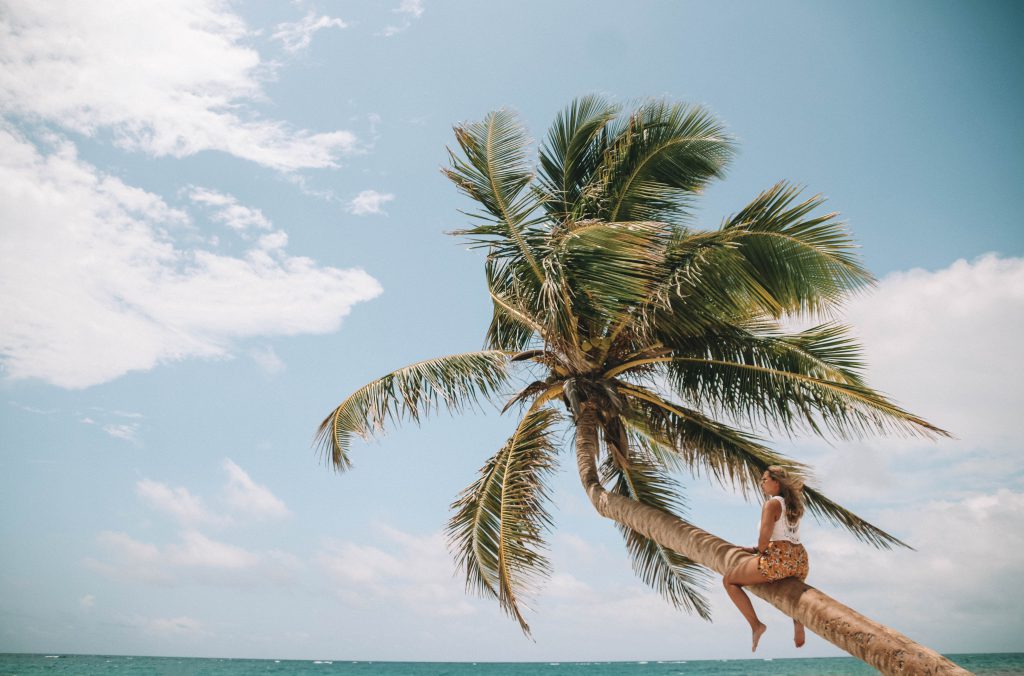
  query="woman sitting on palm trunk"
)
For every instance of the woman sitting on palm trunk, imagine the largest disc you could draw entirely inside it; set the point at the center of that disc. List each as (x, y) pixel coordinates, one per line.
(779, 553)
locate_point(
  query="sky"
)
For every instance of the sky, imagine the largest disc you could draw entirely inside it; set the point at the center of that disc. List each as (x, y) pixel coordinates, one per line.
(218, 219)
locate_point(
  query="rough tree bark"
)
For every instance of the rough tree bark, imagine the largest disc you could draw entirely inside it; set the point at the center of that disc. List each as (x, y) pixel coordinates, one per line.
(883, 648)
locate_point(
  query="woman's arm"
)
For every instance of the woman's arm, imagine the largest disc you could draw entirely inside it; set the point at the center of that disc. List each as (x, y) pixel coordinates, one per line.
(770, 513)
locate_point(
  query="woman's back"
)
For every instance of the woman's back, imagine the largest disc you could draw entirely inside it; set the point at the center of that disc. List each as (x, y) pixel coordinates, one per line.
(784, 529)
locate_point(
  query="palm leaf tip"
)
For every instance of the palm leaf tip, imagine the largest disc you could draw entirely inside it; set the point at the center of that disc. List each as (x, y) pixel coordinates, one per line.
(454, 382)
(498, 526)
(680, 580)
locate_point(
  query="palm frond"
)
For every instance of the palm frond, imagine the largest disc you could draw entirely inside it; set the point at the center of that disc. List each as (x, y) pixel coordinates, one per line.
(806, 262)
(730, 456)
(803, 381)
(499, 522)
(679, 579)
(663, 155)
(613, 266)
(411, 392)
(780, 393)
(496, 172)
(571, 154)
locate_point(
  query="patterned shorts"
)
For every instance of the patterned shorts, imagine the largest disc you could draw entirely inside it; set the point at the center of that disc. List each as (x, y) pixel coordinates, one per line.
(783, 559)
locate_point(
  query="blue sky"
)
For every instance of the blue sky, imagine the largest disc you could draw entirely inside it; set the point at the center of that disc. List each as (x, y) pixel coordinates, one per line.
(218, 219)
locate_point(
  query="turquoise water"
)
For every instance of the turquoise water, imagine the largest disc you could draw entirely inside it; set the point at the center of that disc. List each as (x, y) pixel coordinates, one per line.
(990, 664)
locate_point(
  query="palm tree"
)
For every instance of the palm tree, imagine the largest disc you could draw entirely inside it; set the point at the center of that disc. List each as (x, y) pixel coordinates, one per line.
(665, 345)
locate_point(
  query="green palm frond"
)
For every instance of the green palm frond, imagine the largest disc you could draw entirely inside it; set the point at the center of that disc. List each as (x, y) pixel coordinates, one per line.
(496, 171)
(512, 326)
(827, 352)
(778, 394)
(659, 158)
(545, 309)
(499, 522)
(677, 578)
(731, 457)
(571, 154)
(790, 381)
(807, 263)
(689, 439)
(454, 381)
(613, 266)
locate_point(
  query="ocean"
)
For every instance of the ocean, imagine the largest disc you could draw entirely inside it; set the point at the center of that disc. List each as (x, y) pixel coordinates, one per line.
(990, 664)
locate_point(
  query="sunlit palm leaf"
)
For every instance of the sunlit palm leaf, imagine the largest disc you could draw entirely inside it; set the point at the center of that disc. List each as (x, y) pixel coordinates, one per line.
(806, 262)
(827, 352)
(613, 266)
(499, 522)
(730, 456)
(677, 578)
(495, 170)
(571, 154)
(453, 382)
(663, 155)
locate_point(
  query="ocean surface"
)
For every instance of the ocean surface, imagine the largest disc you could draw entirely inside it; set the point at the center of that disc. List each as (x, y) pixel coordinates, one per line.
(88, 665)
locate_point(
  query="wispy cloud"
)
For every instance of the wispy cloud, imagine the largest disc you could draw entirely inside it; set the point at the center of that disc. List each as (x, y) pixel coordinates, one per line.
(94, 285)
(297, 36)
(413, 570)
(408, 11)
(266, 358)
(228, 211)
(125, 431)
(170, 627)
(178, 503)
(369, 202)
(245, 496)
(167, 79)
(195, 549)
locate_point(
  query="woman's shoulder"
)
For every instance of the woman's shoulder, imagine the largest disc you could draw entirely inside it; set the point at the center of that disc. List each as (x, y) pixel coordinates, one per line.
(773, 505)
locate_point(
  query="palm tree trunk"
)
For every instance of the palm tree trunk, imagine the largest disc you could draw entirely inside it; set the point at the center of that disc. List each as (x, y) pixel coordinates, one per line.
(885, 649)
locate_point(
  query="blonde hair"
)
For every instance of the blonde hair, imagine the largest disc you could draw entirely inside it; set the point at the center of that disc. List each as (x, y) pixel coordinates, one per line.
(791, 488)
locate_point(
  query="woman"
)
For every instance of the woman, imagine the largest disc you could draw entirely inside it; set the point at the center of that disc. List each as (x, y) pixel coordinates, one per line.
(779, 552)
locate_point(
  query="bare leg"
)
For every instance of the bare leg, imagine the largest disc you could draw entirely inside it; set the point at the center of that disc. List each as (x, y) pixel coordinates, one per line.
(744, 574)
(798, 634)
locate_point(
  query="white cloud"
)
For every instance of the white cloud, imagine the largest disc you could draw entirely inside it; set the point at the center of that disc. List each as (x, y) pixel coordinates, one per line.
(166, 78)
(937, 342)
(129, 547)
(87, 601)
(267, 359)
(408, 10)
(200, 551)
(244, 495)
(170, 627)
(296, 36)
(130, 559)
(177, 502)
(369, 202)
(412, 8)
(194, 557)
(414, 571)
(970, 554)
(94, 286)
(126, 431)
(228, 211)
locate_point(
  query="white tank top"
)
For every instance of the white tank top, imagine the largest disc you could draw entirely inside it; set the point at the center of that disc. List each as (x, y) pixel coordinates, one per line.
(784, 530)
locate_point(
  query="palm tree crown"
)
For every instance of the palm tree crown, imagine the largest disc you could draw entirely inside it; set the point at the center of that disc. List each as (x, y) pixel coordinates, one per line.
(606, 296)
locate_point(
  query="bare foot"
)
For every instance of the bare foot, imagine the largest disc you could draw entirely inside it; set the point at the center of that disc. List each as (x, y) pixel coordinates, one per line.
(761, 629)
(798, 634)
